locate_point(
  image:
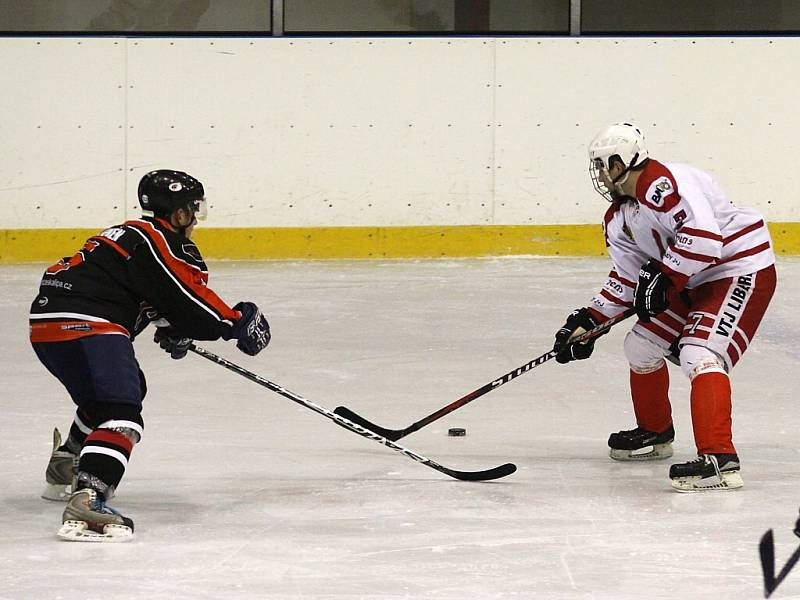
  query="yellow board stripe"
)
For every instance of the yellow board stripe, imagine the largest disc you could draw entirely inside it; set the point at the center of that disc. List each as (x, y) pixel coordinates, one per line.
(48, 245)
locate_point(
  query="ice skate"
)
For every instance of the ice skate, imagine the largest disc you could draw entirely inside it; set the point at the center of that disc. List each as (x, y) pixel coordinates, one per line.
(61, 472)
(707, 472)
(87, 518)
(641, 444)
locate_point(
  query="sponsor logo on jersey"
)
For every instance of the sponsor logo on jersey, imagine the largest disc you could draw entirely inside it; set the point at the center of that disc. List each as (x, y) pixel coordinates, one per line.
(76, 327)
(672, 259)
(733, 307)
(614, 286)
(658, 190)
(42, 301)
(57, 283)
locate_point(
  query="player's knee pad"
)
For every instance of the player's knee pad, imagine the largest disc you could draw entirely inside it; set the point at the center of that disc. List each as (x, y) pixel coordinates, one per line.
(696, 360)
(644, 355)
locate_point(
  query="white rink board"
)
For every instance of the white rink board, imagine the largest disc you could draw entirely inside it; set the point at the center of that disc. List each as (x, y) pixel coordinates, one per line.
(321, 132)
(313, 132)
(62, 132)
(717, 103)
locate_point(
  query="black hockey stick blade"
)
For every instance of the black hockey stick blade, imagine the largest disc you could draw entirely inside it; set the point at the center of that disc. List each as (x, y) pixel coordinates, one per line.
(488, 474)
(389, 434)
(396, 434)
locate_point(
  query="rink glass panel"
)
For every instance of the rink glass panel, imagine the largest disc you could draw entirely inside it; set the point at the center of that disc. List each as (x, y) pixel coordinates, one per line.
(689, 16)
(139, 16)
(427, 16)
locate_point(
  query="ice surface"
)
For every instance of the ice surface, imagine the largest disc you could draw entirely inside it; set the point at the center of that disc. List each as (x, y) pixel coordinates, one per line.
(239, 493)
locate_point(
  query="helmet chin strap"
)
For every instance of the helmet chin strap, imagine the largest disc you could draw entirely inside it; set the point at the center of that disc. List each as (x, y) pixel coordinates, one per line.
(620, 179)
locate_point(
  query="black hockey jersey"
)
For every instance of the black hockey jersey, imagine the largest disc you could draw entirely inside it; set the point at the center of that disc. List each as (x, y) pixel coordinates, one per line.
(125, 277)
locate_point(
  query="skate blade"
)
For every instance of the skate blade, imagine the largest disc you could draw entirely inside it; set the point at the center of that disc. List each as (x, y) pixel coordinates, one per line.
(730, 481)
(57, 492)
(78, 531)
(655, 452)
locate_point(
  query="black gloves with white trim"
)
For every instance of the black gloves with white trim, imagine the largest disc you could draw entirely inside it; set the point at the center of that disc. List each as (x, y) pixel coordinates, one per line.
(650, 297)
(578, 322)
(172, 342)
(251, 330)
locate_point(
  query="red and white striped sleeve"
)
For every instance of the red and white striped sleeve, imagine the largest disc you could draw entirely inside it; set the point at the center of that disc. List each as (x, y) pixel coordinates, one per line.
(697, 240)
(617, 292)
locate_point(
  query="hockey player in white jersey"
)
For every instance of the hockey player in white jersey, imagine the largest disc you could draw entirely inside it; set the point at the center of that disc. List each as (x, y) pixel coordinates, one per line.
(700, 274)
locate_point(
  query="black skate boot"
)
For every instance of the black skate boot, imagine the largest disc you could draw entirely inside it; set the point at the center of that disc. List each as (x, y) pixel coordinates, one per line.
(61, 471)
(87, 517)
(707, 472)
(641, 444)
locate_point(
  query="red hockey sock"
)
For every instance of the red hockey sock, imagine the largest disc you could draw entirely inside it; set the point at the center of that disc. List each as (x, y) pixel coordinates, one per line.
(650, 395)
(711, 414)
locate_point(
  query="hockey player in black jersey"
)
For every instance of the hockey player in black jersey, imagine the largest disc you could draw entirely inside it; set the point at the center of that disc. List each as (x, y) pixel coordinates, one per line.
(89, 309)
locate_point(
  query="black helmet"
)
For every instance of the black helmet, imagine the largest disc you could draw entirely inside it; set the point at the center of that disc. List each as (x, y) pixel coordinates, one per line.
(164, 191)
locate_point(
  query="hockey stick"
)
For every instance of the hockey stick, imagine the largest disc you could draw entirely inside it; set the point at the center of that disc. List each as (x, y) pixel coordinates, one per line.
(396, 434)
(495, 473)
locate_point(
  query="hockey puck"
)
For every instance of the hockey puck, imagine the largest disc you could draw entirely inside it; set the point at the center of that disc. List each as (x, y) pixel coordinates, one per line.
(457, 432)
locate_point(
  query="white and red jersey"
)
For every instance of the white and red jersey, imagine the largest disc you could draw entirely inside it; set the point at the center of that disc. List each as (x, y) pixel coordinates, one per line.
(682, 219)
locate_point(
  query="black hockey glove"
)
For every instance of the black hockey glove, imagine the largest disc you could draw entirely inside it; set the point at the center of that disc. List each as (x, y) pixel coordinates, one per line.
(173, 342)
(650, 297)
(580, 321)
(251, 330)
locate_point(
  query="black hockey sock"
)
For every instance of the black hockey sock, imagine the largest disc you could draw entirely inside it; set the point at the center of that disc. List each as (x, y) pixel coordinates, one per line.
(105, 455)
(76, 437)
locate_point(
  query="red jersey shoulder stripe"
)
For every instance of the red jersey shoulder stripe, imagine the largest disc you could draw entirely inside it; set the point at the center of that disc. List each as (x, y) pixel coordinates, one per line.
(112, 244)
(161, 241)
(189, 278)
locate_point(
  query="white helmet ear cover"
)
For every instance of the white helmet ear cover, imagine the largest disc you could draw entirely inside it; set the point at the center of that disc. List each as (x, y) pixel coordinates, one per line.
(696, 360)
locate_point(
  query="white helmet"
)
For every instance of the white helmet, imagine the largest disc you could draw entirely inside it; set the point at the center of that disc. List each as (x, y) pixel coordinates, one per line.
(622, 141)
